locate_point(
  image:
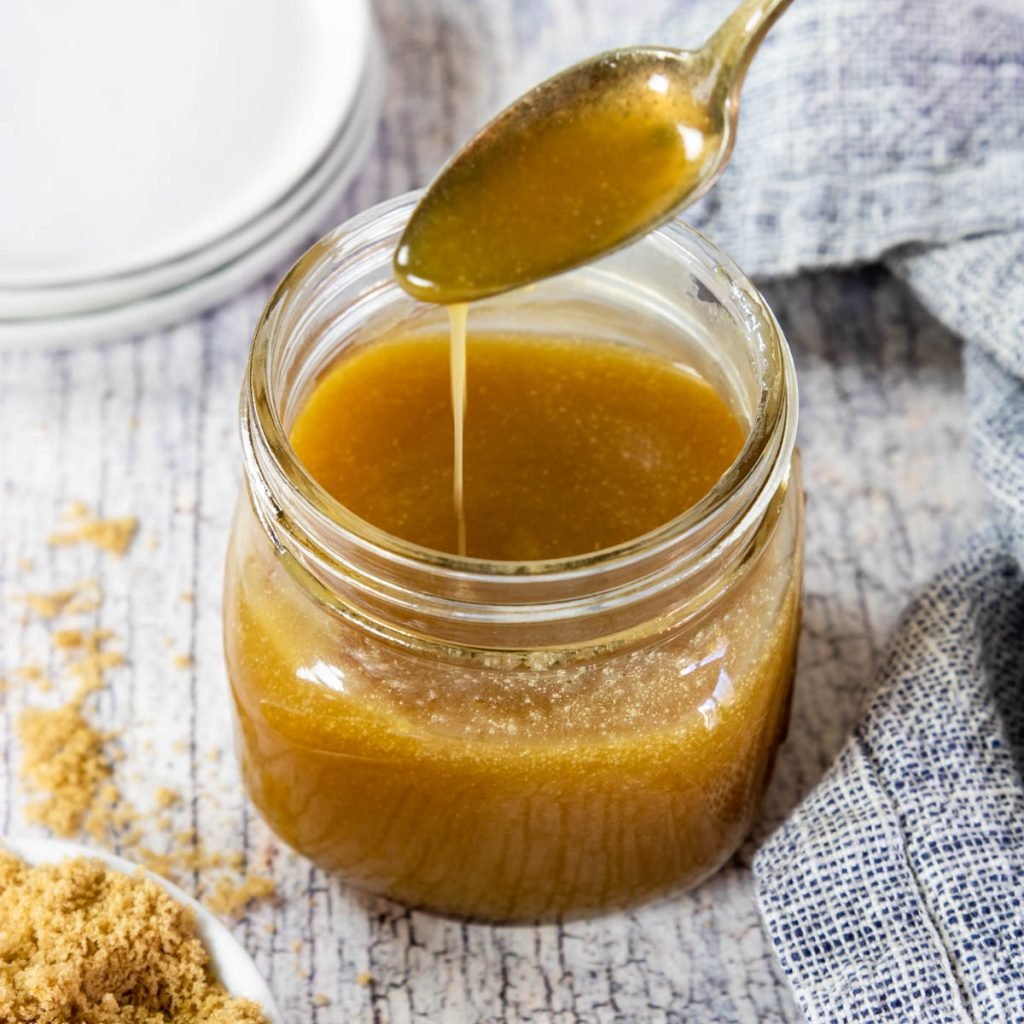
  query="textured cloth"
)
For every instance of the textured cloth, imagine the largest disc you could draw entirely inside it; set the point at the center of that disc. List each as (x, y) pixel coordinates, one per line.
(878, 129)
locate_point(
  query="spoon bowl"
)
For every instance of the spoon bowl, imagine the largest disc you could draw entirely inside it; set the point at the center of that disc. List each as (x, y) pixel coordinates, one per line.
(584, 163)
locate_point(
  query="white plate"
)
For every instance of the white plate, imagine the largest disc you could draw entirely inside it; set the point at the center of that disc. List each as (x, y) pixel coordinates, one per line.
(133, 132)
(231, 963)
(330, 175)
(196, 293)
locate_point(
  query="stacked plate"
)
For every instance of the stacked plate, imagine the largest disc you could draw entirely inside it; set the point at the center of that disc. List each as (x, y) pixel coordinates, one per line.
(155, 157)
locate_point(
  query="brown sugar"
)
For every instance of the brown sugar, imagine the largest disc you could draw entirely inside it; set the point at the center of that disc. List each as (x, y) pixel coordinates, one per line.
(165, 797)
(113, 535)
(64, 763)
(231, 899)
(69, 764)
(78, 598)
(81, 943)
(48, 606)
(65, 638)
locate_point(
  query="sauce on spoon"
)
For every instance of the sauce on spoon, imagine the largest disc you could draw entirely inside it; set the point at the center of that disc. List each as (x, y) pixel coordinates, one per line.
(585, 162)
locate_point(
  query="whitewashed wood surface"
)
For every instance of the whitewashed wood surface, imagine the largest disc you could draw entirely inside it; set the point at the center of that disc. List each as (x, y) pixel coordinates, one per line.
(148, 426)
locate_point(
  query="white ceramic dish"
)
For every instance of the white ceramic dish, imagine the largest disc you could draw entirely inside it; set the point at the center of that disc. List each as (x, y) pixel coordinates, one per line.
(111, 309)
(136, 133)
(292, 215)
(232, 965)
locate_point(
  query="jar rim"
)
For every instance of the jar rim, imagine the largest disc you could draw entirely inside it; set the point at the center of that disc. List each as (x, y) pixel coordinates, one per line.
(774, 417)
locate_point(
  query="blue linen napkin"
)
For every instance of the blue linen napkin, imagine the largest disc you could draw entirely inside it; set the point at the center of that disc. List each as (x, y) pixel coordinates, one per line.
(893, 130)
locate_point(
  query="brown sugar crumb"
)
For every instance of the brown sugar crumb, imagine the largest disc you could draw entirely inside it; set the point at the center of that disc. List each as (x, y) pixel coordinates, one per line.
(82, 597)
(89, 598)
(164, 797)
(65, 762)
(79, 942)
(158, 863)
(113, 535)
(25, 565)
(183, 661)
(188, 597)
(320, 1000)
(63, 759)
(89, 670)
(235, 860)
(364, 978)
(64, 638)
(49, 606)
(230, 899)
(35, 675)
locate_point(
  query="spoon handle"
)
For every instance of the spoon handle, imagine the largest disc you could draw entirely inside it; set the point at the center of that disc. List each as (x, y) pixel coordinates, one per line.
(734, 44)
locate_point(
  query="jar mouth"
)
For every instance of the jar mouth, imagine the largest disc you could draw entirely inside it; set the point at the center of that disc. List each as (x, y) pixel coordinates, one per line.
(763, 459)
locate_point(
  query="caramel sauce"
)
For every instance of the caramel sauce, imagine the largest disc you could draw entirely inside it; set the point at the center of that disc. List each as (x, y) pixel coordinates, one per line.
(570, 445)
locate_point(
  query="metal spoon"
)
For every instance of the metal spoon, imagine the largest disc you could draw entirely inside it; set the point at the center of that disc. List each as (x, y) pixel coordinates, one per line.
(582, 164)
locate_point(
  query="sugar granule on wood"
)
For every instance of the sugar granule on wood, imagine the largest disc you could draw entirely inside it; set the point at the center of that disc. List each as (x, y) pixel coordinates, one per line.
(63, 639)
(64, 763)
(230, 899)
(164, 797)
(78, 598)
(79, 942)
(113, 535)
(50, 605)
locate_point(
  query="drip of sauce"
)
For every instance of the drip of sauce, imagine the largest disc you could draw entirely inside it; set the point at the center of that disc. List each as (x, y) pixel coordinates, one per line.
(457, 315)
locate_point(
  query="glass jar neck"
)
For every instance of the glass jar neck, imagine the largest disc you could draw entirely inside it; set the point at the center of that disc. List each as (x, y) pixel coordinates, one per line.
(341, 294)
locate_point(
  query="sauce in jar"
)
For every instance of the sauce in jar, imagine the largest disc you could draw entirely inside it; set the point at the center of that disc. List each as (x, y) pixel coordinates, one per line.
(570, 446)
(440, 738)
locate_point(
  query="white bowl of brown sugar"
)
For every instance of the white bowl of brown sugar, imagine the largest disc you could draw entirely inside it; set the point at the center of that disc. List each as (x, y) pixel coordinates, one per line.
(82, 930)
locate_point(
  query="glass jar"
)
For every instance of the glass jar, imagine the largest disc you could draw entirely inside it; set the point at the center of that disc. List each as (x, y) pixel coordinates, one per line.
(515, 740)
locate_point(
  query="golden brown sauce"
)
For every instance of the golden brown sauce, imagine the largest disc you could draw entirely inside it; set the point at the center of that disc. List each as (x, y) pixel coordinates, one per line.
(549, 185)
(570, 446)
(458, 316)
(508, 794)
(503, 787)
